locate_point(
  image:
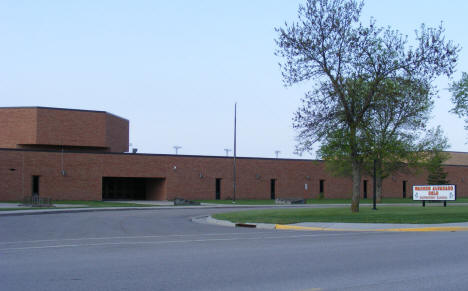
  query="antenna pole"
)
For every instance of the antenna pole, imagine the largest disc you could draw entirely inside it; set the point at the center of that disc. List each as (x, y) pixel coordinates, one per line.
(235, 152)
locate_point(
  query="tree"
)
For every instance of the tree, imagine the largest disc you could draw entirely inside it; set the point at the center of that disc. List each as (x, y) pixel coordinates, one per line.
(459, 92)
(348, 63)
(392, 136)
(396, 122)
(436, 174)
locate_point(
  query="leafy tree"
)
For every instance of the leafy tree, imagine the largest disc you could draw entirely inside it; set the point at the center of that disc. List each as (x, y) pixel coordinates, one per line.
(396, 121)
(460, 97)
(436, 174)
(391, 139)
(348, 63)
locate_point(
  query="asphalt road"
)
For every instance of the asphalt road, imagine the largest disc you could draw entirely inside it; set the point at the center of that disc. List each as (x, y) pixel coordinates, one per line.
(164, 250)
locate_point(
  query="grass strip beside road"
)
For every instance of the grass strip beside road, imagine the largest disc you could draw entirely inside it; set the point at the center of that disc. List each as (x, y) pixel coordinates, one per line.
(394, 214)
(26, 208)
(74, 204)
(324, 201)
(101, 203)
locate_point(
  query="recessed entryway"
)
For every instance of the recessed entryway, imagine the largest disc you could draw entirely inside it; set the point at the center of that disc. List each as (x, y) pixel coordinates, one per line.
(272, 188)
(218, 189)
(404, 189)
(365, 189)
(322, 186)
(35, 185)
(128, 188)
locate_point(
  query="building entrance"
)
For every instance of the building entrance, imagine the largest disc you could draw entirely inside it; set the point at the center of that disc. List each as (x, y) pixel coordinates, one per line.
(127, 188)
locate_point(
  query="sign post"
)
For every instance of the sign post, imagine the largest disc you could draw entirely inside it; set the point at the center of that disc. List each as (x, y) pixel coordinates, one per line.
(434, 193)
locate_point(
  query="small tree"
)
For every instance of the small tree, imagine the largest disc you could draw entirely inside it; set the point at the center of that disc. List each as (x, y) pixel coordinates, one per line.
(436, 174)
(396, 121)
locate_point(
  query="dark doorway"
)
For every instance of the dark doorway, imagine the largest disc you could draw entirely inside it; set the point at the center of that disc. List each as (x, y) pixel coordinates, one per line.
(126, 188)
(35, 185)
(273, 188)
(404, 189)
(322, 186)
(123, 188)
(218, 188)
(365, 189)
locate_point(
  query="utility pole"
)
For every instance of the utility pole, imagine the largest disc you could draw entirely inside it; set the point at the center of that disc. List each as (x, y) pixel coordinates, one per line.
(227, 152)
(177, 149)
(235, 153)
(277, 153)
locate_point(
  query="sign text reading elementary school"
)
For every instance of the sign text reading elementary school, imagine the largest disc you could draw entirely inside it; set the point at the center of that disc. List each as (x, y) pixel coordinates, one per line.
(434, 192)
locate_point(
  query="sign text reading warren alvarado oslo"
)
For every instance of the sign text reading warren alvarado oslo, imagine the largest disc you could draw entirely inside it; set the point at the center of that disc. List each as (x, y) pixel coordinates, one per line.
(434, 192)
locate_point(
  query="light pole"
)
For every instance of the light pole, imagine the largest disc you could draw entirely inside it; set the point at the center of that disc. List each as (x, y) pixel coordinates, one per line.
(277, 153)
(234, 160)
(227, 152)
(177, 149)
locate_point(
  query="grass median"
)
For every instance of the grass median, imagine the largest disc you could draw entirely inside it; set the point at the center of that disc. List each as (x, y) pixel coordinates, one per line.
(63, 204)
(394, 214)
(101, 203)
(324, 201)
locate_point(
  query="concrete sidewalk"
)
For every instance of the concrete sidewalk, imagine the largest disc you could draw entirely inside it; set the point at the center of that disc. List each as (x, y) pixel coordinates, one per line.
(331, 226)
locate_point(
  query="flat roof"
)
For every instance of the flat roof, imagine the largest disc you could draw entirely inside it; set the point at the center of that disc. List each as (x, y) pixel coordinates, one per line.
(157, 155)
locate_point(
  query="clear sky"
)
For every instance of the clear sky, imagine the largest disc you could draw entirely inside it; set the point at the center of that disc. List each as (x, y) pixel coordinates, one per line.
(175, 68)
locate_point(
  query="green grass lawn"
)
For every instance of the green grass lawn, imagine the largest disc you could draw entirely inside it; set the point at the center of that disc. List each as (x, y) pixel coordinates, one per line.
(272, 202)
(323, 201)
(101, 203)
(25, 208)
(78, 203)
(394, 214)
(240, 202)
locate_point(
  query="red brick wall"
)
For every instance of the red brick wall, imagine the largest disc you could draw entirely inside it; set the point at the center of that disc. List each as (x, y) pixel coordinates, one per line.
(17, 126)
(50, 128)
(71, 128)
(117, 133)
(185, 176)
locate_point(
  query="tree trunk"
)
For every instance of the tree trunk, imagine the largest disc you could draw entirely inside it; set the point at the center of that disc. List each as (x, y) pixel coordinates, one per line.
(378, 184)
(356, 186)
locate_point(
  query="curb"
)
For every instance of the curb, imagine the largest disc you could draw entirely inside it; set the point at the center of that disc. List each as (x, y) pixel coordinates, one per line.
(208, 219)
(416, 229)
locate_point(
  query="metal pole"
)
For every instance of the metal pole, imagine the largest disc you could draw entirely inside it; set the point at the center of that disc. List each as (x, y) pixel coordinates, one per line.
(235, 153)
(63, 170)
(22, 176)
(375, 187)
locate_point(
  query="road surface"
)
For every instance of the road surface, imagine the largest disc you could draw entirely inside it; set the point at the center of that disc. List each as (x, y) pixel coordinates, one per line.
(164, 250)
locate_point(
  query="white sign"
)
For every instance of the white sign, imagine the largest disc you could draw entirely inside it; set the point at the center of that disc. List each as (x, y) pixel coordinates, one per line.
(434, 192)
